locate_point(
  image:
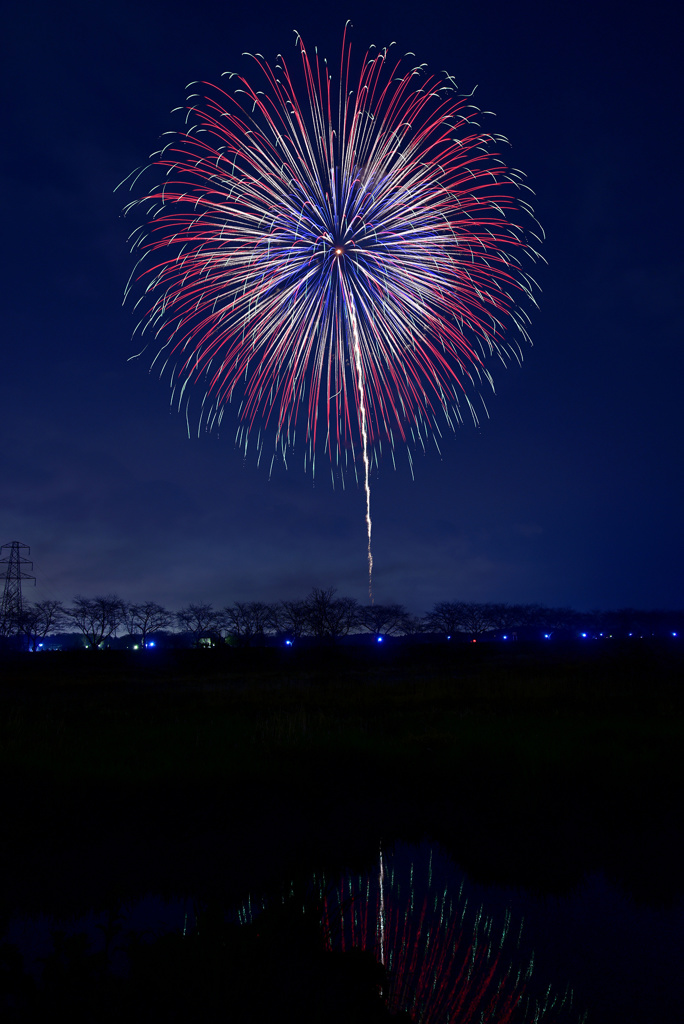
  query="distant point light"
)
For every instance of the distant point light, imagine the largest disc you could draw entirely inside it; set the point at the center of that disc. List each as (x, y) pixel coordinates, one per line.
(505, 636)
(547, 636)
(288, 643)
(584, 634)
(674, 634)
(151, 643)
(380, 639)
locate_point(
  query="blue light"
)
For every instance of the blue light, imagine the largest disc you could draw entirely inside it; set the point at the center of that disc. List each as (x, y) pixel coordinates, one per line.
(288, 643)
(674, 634)
(505, 637)
(583, 634)
(547, 636)
(151, 643)
(380, 639)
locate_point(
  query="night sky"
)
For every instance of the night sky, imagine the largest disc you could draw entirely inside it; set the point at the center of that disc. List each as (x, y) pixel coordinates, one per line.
(569, 494)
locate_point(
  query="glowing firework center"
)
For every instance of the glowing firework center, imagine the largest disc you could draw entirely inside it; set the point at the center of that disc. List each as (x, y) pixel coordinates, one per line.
(340, 262)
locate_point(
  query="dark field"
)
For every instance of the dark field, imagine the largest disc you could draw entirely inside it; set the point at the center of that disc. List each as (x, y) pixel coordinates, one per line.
(215, 773)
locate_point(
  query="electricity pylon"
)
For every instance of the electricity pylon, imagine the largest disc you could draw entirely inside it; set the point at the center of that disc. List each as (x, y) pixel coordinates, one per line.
(12, 602)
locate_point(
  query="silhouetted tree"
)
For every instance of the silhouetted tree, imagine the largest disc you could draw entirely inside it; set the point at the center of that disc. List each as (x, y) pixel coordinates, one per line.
(446, 617)
(98, 618)
(247, 621)
(505, 617)
(531, 614)
(146, 618)
(8, 623)
(553, 619)
(199, 620)
(476, 619)
(35, 621)
(290, 617)
(330, 617)
(413, 624)
(383, 619)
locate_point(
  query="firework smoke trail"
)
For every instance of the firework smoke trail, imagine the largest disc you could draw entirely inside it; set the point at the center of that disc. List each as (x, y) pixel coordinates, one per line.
(343, 263)
(364, 442)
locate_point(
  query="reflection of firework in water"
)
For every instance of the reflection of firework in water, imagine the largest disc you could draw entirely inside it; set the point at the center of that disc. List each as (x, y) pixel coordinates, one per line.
(446, 961)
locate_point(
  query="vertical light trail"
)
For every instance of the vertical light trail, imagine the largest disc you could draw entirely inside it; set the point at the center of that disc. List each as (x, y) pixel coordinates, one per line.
(381, 922)
(364, 440)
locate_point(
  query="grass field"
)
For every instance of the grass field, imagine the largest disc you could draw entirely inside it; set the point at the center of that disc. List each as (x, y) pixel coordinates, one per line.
(213, 774)
(531, 766)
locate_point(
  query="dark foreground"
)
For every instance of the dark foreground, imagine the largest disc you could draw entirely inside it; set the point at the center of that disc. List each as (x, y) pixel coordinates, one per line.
(216, 773)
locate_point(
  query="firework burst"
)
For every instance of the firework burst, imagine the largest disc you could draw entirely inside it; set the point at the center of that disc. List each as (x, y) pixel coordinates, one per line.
(341, 260)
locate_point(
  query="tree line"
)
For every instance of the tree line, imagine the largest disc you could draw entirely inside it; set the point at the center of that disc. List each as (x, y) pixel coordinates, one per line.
(322, 615)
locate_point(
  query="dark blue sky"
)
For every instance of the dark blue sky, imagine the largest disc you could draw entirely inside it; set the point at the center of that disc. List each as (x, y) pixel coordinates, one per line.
(570, 493)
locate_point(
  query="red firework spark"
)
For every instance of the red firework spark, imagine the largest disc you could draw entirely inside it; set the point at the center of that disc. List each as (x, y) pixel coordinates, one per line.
(343, 259)
(446, 961)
